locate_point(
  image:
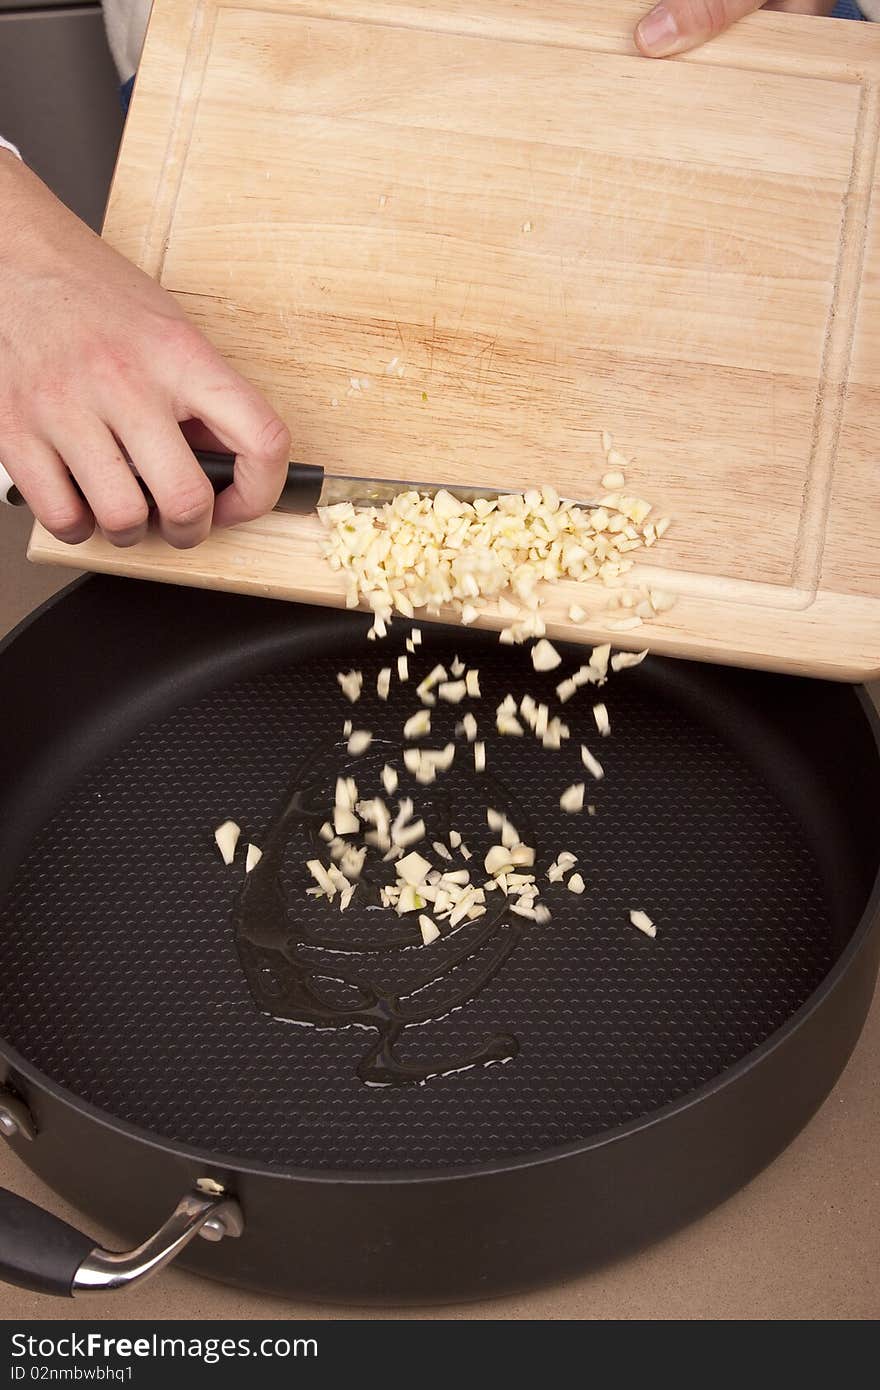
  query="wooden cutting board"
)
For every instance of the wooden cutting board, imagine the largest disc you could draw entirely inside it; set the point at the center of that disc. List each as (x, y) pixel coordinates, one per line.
(554, 237)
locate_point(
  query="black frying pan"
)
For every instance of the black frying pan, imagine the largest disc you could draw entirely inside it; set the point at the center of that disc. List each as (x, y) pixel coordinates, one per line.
(555, 1096)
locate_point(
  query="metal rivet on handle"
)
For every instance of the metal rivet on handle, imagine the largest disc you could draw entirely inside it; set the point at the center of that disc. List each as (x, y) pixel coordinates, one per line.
(16, 1121)
(227, 1222)
(213, 1230)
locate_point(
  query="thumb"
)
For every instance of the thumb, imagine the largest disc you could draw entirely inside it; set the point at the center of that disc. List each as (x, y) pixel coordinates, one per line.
(674, 26)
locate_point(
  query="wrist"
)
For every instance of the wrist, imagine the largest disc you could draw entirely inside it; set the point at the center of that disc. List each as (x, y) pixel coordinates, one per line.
(39, 232)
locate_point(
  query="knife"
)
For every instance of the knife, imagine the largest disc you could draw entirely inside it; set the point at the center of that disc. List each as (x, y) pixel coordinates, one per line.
(307, 486)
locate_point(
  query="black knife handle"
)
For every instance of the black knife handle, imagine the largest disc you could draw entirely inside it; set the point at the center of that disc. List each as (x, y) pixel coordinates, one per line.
(302, 490)
(301, 494)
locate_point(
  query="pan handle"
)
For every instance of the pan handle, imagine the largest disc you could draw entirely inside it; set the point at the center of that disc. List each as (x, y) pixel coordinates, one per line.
(40, 1252)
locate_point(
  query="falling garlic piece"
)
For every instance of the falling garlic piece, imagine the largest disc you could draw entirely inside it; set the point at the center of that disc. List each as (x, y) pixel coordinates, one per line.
(621, 661)
(593, 766)
(572, 799)
(226, 837)
(545, 657)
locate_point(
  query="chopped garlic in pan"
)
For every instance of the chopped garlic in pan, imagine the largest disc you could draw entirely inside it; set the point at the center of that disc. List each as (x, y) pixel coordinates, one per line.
(643, 922)
(430, 932)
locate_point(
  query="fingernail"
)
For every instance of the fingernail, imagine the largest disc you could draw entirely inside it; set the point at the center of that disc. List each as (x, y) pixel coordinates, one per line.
(658, 31)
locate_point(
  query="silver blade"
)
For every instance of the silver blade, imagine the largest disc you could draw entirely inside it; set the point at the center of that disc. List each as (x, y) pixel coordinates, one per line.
(375, 492)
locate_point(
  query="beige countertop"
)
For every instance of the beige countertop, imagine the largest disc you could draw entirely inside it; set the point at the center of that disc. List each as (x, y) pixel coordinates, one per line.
(801, 1241)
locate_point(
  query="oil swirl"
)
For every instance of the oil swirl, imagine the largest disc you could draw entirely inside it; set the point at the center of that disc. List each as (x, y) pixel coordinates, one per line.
(332, 978)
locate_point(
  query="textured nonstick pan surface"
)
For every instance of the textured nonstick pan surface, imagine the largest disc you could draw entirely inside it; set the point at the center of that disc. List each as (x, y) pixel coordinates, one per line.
(733, 810)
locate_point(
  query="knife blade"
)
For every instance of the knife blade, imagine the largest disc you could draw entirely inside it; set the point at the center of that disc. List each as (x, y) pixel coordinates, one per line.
(308, 487)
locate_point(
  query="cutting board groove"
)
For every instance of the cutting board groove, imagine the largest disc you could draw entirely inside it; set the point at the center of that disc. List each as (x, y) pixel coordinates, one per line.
(839, 337)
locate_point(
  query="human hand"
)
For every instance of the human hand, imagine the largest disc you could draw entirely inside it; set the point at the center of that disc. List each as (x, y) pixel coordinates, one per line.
(96, 358)
(674, 26)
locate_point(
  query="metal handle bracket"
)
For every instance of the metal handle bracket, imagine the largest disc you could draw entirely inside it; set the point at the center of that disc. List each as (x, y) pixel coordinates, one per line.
(212, 1215)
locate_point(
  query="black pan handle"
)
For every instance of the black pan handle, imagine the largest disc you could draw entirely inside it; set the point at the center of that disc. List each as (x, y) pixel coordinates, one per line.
(38, 1251)
(301, 495)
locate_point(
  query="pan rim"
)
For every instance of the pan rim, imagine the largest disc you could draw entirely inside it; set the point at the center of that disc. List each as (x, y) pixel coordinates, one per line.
(868, 923)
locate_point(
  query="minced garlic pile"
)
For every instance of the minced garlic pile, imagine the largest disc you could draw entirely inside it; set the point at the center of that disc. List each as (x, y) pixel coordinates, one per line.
(435, 551)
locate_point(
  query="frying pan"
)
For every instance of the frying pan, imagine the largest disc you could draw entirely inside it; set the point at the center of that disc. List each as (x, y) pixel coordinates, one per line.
(349, 1115)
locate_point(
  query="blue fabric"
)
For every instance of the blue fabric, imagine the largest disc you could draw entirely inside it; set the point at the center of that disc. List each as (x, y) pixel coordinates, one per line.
(125, 94)
(847, 9)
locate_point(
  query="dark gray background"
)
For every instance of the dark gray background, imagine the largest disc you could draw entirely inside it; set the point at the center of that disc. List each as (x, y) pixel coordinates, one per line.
(59, 99)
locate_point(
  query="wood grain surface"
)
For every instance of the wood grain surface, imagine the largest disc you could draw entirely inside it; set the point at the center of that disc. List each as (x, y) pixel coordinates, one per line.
(554, 237)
